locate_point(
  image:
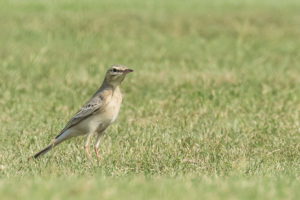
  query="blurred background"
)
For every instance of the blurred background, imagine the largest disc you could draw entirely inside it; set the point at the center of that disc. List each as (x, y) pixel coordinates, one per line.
(211, 110)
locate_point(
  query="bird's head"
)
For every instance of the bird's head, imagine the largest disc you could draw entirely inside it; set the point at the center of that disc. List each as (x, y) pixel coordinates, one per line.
(116, 74)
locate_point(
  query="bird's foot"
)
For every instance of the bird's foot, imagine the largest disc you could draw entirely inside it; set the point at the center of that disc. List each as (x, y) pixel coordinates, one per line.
(97, 155)
(87, 152)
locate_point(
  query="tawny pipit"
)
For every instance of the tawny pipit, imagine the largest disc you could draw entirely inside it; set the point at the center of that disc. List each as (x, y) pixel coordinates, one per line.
(97, 113)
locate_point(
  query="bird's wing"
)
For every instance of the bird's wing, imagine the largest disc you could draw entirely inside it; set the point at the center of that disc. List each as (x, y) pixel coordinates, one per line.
(94, 104)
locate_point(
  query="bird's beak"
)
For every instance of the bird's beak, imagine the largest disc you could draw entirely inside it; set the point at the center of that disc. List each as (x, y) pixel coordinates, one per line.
(126, 71)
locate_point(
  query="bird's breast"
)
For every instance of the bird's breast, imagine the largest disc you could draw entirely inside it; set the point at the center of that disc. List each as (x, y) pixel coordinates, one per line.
(109, 113)
(113, 107)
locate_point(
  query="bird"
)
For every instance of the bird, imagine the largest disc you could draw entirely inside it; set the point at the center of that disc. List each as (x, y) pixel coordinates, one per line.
(98, 113)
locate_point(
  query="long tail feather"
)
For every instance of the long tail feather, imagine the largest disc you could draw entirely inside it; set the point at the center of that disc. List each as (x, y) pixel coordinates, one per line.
(45, 150)
(60, 138)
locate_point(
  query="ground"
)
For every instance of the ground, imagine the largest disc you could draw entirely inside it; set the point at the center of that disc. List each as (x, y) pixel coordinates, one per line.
(211, 110)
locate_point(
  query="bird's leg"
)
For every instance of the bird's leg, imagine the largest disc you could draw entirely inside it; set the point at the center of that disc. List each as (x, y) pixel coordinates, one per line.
(87, 152)
(96, 146)
(86, 144)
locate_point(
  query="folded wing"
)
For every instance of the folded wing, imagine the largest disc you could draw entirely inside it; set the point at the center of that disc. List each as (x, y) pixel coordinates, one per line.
(87, 110)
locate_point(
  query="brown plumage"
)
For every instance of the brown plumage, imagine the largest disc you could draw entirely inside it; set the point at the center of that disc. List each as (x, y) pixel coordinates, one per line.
(97, 113)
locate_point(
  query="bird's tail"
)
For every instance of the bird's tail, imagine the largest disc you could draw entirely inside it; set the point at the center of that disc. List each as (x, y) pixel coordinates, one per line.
(45, 150)
(54, 142)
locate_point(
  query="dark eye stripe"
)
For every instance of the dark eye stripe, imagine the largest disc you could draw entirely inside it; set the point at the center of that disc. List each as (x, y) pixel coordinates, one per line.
(116, 70)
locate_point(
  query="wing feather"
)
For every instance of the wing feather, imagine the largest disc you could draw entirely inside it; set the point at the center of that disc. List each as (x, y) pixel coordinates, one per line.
(87, 110)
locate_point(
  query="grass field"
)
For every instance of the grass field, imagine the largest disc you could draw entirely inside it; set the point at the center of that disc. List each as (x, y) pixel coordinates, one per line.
(212, 110)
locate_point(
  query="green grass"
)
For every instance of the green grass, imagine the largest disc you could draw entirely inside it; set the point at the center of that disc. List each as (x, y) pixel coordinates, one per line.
(212, 110)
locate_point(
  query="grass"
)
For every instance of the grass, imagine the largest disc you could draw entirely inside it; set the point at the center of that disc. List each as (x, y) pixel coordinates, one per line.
(211, 111)
(155, 188)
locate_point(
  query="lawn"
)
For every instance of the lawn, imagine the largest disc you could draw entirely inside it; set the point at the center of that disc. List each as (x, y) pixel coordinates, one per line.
(211, 111)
